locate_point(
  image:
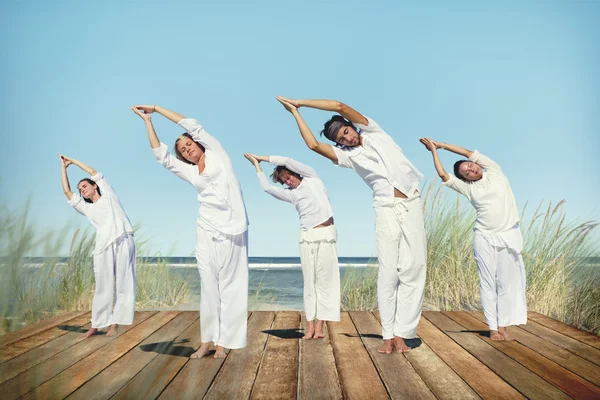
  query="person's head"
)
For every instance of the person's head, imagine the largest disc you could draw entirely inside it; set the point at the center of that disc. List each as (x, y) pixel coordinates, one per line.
(286, 177)
(87, 188)
(467, 171)
(188, 150)
(341, 131)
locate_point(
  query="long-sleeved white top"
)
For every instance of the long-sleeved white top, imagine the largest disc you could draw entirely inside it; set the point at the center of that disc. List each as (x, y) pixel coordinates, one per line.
(106, 214)
(310, 197)
(222, 209)
(381, 164)
(491, 196)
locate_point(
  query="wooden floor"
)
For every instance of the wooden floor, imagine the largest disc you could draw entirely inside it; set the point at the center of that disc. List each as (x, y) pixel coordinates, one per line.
(452, 359)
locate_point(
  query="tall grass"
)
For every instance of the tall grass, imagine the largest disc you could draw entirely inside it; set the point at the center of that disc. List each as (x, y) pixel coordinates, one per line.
(31, 293)
(560, 283)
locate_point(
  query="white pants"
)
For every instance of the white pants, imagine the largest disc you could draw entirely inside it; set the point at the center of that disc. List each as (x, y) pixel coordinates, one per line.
(319, 260)
(502, 278)
(402, 254)
(223, 267)
(114, 271)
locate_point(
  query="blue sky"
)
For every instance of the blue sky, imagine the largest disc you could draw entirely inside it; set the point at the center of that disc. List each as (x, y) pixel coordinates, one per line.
(517, 81)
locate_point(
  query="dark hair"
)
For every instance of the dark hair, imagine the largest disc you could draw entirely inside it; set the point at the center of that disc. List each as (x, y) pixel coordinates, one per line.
(91, 182)
(178, 154)
(280, 170)
(333, 126)
(457, 172)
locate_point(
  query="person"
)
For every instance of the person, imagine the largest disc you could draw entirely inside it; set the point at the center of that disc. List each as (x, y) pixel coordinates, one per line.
(114, 252)
(497, 241)
(222, 229)
(362, 145)
(318, 236)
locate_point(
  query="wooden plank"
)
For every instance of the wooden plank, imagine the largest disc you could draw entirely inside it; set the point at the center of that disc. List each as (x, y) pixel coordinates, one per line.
(19, 347)
(40, 373)
(568, 382)
(76, 375)
(390, 366)
(277, 376)
(525, 381)
(574, 346)
(570, 361)
(237, 375)
(48, 323)
(119, 373)
(317, 377)
(437, 375)
(155, 377)
(568, 330)
(358, 375)
(36, 355)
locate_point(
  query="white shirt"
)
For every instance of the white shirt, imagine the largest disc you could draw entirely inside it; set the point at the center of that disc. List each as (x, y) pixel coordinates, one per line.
(491, 196)
(222, 208)
(380, 163)
(106, 214)
(310, 197)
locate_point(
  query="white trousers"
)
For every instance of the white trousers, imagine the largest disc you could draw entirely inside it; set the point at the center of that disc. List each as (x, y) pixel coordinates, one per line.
(402, 254)
(223, 267)
(319, 260)
(114, 272)
(502, 278)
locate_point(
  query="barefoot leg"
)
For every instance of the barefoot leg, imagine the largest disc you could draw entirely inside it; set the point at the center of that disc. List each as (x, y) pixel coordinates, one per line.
(310, 331)
(202, 351)
(319, 330)
(220, 352)
(388, 346)
(400, 345)
(91, 332)
(495, 335)
(113, 330)
(502, 330)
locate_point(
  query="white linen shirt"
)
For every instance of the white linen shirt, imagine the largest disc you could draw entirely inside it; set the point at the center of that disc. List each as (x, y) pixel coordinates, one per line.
(381, 164)
(106, 214)
(310, 197)
(222, 209)
(491, 196)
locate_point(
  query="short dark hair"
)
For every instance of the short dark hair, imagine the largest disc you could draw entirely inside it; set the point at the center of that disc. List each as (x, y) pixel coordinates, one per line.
(457, 171)
(280, 170)
(333, 126)
(91, 182)
(180, 156)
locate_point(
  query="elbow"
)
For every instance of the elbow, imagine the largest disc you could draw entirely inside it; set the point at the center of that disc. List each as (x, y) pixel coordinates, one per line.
(313, 146)
(339, 107)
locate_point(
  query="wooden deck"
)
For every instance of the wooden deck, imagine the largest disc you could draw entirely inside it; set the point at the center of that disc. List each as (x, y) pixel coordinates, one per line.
(452, 359)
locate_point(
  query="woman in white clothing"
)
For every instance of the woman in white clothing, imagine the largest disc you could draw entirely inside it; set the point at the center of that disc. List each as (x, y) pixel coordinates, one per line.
(114, 254)
(222, 229)
(497, 241)
(399, 227)
(318, 237)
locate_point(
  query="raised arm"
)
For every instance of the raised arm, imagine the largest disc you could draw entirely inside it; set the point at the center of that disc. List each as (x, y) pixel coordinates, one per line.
(330, 105)
(152, 137)
(168, 114)
(432, 146)
(277, 192)
(323, 149)
(454, 149)
(86, 168)
(293, 165)
(65, 162)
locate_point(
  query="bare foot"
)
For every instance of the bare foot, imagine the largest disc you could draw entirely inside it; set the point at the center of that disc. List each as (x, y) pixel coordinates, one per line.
(113, 330)
(202, 351)
(494, 335)
(310, 331)
(400, 345)
(319, 330)
(91, 332)
(504, 332)
(220, 353)
(388, 347)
